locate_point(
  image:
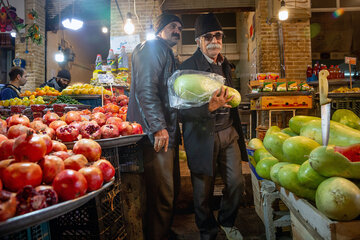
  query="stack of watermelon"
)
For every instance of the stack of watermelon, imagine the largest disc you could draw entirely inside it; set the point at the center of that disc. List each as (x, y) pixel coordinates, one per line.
(328, 175)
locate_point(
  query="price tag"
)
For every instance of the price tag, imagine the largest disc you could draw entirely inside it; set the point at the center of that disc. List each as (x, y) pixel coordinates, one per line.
(106, 78)
(350, 60)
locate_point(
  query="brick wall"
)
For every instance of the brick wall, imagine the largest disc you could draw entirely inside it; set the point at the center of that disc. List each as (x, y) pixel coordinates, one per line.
(146, 10)
(35, 59)
(297, 45)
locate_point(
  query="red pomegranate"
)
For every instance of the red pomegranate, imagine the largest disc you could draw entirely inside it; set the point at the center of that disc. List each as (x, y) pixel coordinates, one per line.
(48, 143)
(106, 168)
(67, 133)
(70, 184)
(58, 146)
(99, 117)
(2, 138)
(137, 128)
(51, 166)
(17, 130)
(111, 107)
(72, 116)
(6, 148)
(61, 154)
(18, 175)
(37, 125)
(3, 127)
(94, 177)
(29, 147)
(49, 117)
(39, 119)
(90, 130)
(48, 131)
(49, 193)
(4, 164)
(56, 124)
(125, 129)
(114, 120)
(18, 119)
(28, 200)
(98, 109)
(124, 102)
(109, 131)
(7, 205)
(76, 124)
(89, 148)
(75, 162)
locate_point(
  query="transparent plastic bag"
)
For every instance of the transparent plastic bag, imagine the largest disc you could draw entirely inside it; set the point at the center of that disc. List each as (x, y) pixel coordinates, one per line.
(191, 88)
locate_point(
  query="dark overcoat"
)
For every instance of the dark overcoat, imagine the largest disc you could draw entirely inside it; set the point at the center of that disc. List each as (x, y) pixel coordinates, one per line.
(198, 124)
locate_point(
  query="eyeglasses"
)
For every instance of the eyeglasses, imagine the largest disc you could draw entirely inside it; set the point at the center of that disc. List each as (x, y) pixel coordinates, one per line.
(209, 37)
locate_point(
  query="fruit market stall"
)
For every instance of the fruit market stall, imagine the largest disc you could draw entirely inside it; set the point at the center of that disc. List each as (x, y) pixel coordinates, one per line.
(103, 132)
(318, 184)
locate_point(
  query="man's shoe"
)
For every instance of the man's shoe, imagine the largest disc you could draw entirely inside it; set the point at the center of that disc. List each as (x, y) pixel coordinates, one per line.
(232, 233)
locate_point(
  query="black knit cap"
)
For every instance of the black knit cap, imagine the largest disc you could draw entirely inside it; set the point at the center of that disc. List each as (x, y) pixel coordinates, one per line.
(206, 23)
(164, 19)
(64, 74)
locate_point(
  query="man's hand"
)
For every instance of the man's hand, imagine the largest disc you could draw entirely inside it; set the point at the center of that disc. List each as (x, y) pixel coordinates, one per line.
(219, 99)
(161, 140)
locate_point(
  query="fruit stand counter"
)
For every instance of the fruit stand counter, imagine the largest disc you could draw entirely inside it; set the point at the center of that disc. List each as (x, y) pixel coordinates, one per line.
(308, 223)
(276, 102)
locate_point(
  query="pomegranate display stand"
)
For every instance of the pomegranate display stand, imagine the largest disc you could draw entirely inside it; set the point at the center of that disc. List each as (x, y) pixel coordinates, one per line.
(33, 218)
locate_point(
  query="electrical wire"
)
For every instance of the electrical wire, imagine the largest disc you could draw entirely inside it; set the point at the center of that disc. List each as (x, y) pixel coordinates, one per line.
(117, 4)
(142, 29)
(161, 4)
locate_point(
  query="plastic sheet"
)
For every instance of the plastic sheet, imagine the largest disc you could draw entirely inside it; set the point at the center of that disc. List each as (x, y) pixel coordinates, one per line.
(190, 88)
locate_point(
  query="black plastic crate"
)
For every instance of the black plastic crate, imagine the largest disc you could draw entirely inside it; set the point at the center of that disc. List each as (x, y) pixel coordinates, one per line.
(112, 155)
(131, 158)
(37, 232)
(101, 218)
(345, 103)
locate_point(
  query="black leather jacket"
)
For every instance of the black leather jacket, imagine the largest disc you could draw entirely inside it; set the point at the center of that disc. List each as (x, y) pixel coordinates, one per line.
(153, 63)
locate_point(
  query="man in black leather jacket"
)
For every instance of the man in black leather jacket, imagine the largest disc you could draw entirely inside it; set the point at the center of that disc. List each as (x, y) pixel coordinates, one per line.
(153, 63)
(213, 137)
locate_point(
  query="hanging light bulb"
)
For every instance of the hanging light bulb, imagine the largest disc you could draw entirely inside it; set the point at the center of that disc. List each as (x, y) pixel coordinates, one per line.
(283, 12)
(150, 35)
(13, 33)
(59, 56)
(104, 29)
(129, 27)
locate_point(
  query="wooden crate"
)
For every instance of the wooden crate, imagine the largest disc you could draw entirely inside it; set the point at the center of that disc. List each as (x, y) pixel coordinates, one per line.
(256, 187)
(309, 223)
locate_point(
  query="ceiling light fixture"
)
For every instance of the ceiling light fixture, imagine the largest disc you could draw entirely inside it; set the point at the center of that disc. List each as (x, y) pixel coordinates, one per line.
(129, 27)
(283, 12)
(72, 23)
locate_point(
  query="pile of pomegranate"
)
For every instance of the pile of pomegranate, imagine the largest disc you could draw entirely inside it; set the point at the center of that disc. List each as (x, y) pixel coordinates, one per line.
(37, 171)
(103, 122)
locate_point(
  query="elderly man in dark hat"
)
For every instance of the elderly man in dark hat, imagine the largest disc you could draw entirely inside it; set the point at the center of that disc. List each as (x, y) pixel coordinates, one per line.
(60, 82)
(153, 63)
(213, 138)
